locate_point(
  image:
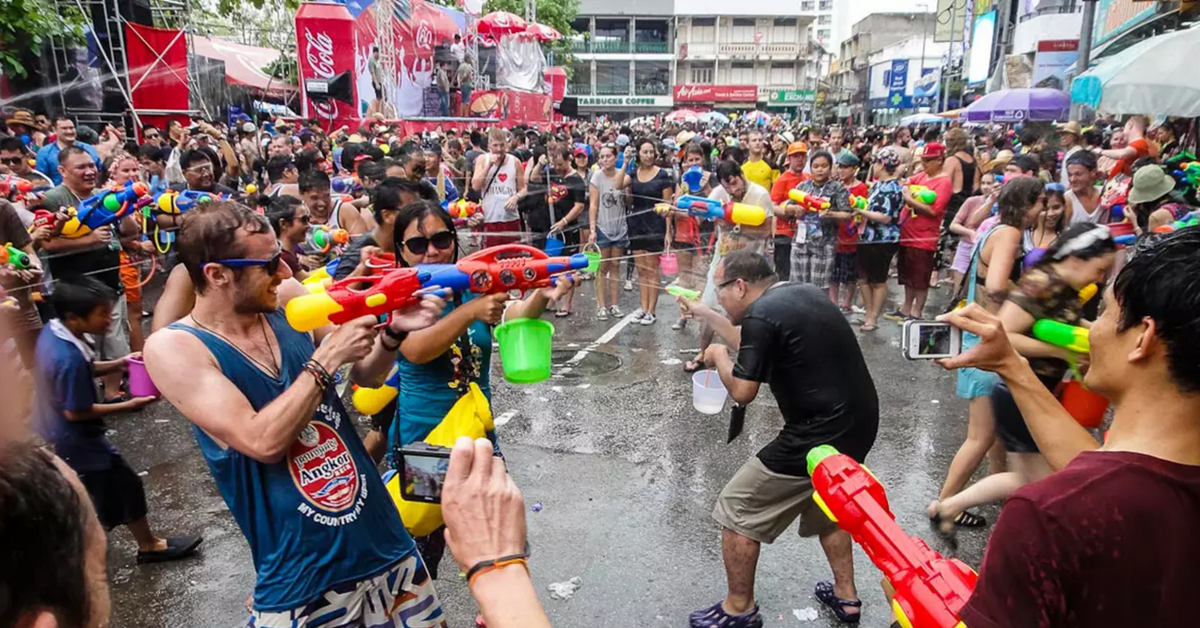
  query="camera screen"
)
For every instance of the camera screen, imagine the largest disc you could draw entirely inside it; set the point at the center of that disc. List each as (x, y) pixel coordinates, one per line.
(933, 339)
(424, 475)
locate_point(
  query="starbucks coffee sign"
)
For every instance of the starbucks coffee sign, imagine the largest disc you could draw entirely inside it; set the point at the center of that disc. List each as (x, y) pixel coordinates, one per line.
(626, 101)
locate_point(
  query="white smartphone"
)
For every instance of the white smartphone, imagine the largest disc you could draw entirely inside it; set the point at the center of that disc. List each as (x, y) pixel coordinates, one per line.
(929, 340)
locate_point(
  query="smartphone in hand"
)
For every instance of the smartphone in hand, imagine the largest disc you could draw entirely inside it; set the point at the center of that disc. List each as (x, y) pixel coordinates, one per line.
(930, 340)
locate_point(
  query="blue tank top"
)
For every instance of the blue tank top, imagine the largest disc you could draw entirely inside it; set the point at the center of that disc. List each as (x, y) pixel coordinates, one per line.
(321, 516)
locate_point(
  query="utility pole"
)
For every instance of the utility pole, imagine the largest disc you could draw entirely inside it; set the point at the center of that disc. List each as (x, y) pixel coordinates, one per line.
(924, 39)
(1085, 49)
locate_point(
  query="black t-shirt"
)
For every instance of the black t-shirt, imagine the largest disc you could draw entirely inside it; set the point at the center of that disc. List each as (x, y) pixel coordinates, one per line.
(352, 256)
(564, 191)
(102, 262)
(795, 339)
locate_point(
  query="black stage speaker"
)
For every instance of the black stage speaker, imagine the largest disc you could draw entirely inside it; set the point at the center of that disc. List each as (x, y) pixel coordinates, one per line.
(569, 106)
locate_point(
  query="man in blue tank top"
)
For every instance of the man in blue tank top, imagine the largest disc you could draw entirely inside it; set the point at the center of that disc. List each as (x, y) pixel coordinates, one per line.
(325, 538)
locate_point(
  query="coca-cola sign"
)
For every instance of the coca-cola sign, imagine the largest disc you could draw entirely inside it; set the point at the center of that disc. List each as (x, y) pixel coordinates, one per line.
(318, 52)
(716, 93)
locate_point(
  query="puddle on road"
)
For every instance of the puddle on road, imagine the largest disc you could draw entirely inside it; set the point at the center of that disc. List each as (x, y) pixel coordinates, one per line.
(594, 363)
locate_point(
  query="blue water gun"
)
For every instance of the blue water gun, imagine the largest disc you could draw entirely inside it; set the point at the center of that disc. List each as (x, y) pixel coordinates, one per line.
(104, 208)
(346, 185)
(172, 202)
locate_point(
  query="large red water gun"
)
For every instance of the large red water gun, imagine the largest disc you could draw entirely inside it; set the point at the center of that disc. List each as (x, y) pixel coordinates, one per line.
(502, 269)
(930, 590)
(15, 188)
(351, 298)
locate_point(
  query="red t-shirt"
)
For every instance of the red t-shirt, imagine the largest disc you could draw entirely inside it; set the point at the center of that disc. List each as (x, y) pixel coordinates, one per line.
(785, 183)
(1111, 540)
(1142, 148)
(921, 232)
(847, 229)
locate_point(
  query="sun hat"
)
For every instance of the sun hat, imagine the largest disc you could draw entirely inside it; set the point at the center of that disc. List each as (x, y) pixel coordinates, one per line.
(1150, 183)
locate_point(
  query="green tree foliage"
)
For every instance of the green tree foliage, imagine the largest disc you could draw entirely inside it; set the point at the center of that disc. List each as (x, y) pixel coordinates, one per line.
(26, 25)
(231, 7)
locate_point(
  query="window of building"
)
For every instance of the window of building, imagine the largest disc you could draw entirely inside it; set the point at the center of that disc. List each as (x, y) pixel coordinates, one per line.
(652, 78)
(741, 73)
(704, 21)
(824, 19)
(742, 30)
(704, 30)
(825, 5)
(702, 76)
(808, 5)
(651, 36)
(581, 25)
(612, 78)
(581, 78)
(785, 22)
(782, 73)
(823, 35)
(612, 35)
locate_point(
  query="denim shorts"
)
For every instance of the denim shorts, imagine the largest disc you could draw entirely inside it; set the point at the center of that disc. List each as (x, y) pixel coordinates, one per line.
(604, 242)
(973, 382)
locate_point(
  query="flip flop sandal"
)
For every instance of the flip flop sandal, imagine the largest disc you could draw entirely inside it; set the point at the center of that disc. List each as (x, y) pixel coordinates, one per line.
(968, 519)
(870, 327)
(824, 593)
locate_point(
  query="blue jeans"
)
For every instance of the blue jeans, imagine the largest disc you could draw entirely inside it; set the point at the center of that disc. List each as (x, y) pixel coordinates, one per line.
(465, 99)
(444, 103)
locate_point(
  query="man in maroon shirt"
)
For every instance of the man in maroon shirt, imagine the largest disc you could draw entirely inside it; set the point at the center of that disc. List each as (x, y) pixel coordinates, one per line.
(1111, 538)
(919, 230)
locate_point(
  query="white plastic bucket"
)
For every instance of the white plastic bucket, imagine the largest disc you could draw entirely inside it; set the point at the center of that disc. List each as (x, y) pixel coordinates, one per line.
(708, 393)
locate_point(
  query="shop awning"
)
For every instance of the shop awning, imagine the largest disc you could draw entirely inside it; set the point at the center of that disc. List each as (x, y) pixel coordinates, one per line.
(243, 64)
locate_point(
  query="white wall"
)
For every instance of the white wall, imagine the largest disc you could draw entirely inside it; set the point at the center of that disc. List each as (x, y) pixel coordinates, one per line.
(765, 8)
(1045, 27)
(846, 13)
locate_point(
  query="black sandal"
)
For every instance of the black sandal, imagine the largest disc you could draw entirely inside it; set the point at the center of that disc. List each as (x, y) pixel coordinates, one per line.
(968, 519)
(824, 593)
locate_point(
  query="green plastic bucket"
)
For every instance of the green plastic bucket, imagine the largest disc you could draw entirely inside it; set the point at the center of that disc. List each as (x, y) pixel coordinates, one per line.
(525, 349)
(593, 255)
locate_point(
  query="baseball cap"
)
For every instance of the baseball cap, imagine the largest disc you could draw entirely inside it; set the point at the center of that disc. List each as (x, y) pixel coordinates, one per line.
(579, 150)
(848, 160)
(797, 148)
(622, 140)
(934, 150)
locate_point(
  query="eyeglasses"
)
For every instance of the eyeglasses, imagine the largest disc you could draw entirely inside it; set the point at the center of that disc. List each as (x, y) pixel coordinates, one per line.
(207, 168)
(724, 284)
(441, 240)
(305, 219)
(271, 265)
(11, 161)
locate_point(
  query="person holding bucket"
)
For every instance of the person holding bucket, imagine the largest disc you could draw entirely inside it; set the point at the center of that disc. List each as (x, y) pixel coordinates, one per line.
(609, 231)
(1080, 257)
(438, 364)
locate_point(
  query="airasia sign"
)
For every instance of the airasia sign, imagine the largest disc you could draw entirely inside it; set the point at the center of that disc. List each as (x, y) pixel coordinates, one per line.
(716, 93)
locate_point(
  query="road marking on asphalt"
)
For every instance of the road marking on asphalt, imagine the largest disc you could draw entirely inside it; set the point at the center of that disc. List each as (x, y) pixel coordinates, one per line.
(604, 338)
(504, 418)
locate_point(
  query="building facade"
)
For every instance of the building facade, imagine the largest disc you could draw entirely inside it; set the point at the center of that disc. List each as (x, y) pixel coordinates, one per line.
(623, 58)
(850, 76)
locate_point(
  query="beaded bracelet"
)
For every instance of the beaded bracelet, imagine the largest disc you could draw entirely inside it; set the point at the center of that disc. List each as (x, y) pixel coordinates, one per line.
(324, 379)
(485, 566)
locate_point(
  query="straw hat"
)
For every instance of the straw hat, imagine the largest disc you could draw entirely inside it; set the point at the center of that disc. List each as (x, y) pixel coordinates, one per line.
(1150, 183)
(23, 117)
(1071, 127)
(1001, 160)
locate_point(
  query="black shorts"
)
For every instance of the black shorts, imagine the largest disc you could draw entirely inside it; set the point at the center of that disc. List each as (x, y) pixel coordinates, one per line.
(874, 260)
(117, 493)
(1010, 425)
(648, 243)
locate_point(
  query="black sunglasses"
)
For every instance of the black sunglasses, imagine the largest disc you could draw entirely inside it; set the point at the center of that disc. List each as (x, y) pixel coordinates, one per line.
(271, 265)
(11, 160)
(441, 240)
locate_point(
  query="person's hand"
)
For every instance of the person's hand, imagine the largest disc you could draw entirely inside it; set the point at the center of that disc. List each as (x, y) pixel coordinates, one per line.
(104, 234)
(562, 285)
(8, 277)
(993, 351)
(136, 355)
(906, 193)
(689, 309)
(146, 246)
(350, 342)
(137, 403)
(713, 353)
(630, 154)
(482, 506)
(541, 161)
(364, 255)
(489, 308)
(591, 236)
(419, 315)
(475, 220)
(311, 262)
(511, 203)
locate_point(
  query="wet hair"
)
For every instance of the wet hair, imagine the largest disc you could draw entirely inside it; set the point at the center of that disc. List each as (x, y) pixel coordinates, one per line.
(350, 152)
(13, 144)
(956, 140)
(416, 212)
(70, 152)
(372, 170)
(1082, 241)
(192, 156)
(1056, 190)
(151, 152)
(695, 149)
(638, 145)
(1159, 282)
(1083, 158)
(387, 195)
(79, 297)
(308, 159)
(820, 154)
(278, 165)
(1016, 197)
(728, 170)
(313, 180)
(216, 231)
(749, 266)
(43, 522)
(282, 209)
(1026, 163)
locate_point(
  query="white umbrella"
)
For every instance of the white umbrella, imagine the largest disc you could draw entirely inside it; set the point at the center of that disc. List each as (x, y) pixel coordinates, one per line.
(921, 118)
(683, 115)
(714, 116)
(1154, 76)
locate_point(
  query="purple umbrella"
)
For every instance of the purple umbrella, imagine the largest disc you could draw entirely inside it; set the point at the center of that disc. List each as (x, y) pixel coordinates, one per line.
(1037, 104)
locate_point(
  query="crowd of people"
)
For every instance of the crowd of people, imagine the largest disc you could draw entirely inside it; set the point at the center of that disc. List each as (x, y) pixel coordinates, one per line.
(1016, 226)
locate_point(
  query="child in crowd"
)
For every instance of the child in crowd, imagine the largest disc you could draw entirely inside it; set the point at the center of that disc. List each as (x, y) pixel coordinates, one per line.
(70, 418)
(845, 274)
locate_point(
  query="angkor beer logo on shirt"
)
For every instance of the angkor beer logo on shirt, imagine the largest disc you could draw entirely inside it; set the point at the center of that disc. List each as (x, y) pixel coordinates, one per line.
(323, 469)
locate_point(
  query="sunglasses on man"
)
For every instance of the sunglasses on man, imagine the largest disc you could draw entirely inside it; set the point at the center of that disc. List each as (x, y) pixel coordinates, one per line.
(271, 265)
(442, 240)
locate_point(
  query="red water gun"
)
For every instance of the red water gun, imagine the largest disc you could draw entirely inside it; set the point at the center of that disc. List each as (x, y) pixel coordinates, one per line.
(14, 188)
(462, 209)
(808, 202)
(354, 297)
(930, 590)
(502, 269)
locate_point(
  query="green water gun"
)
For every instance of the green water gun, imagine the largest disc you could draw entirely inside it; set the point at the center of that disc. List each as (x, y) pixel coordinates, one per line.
(680, 291)
(1062, 335)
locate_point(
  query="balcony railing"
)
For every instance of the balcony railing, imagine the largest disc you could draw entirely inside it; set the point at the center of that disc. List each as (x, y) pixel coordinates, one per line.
(603, 89)
(652, 89)
(579, 89)
(580, 45)
(651, 47)
(610, 47)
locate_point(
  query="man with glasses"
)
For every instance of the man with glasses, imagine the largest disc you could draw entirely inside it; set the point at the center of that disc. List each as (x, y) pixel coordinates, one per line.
(48, 158)
(14, 160)
(794, 338)
(325, 537)
(151, 135)
(199, 173)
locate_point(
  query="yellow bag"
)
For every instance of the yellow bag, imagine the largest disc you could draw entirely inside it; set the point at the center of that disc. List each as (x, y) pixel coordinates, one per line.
(471, 416)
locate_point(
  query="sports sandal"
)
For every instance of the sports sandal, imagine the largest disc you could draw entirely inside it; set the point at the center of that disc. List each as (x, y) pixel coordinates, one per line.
(716, 617)
(824, 593)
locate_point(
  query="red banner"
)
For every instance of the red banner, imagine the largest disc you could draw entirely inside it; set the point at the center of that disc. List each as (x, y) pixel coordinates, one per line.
(512, 107)
(157, 62)
(716, 93)
(325, 44)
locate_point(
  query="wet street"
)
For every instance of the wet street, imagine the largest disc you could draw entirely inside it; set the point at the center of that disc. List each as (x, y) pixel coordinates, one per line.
(626, 473)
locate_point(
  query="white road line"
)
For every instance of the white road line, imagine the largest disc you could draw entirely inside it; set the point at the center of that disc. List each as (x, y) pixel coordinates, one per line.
(505, 418)
(604, 338)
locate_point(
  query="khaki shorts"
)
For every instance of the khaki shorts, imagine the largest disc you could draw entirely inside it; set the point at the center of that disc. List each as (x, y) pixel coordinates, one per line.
(760, 504)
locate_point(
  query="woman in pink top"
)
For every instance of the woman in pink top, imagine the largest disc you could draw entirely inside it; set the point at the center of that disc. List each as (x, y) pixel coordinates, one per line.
(966, 224)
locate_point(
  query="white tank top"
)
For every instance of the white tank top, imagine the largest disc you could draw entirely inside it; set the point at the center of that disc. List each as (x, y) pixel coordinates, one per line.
(504, 186)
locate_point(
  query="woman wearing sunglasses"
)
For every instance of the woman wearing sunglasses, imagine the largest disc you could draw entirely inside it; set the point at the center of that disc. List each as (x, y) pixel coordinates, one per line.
(290, 219)
(437, 364)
